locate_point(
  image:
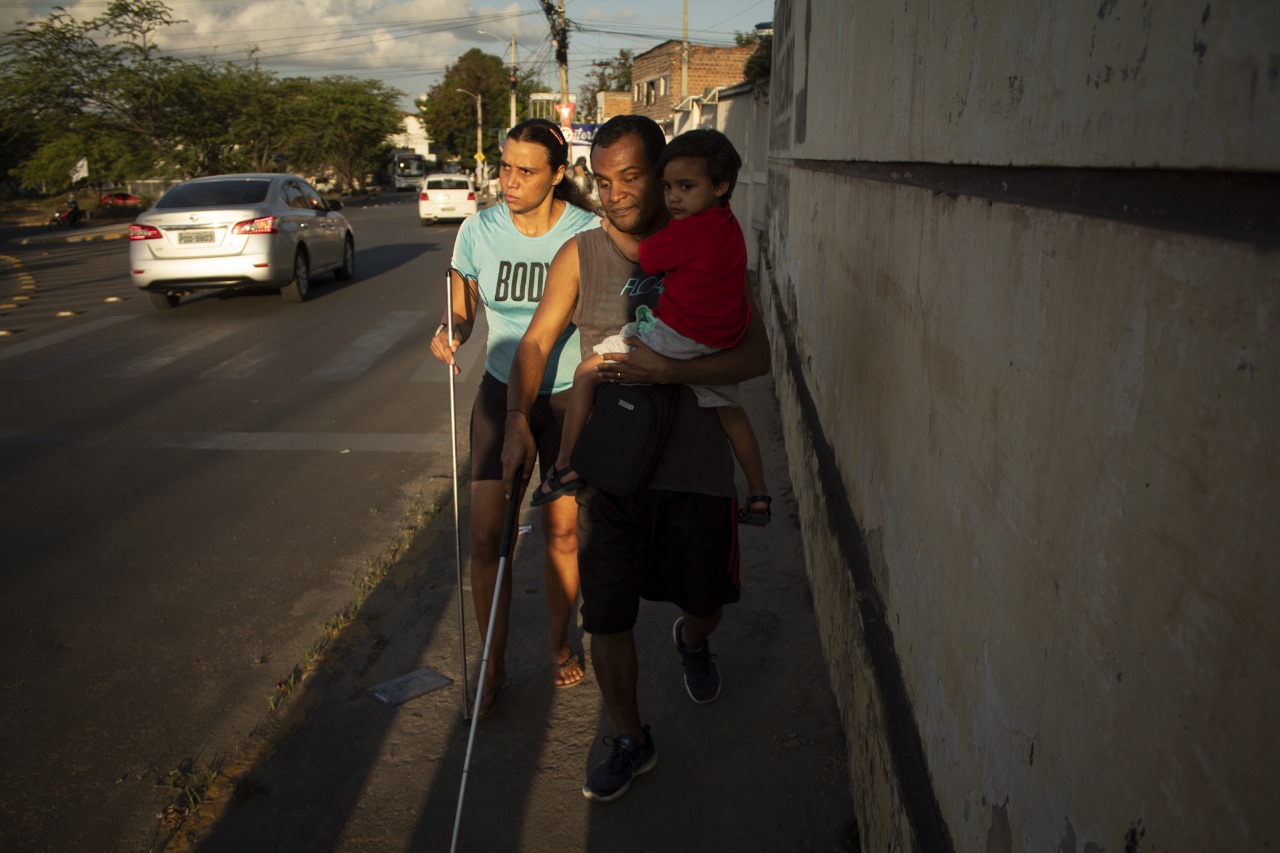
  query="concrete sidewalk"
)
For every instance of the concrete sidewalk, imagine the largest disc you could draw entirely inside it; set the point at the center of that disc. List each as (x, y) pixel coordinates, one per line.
(761, 769)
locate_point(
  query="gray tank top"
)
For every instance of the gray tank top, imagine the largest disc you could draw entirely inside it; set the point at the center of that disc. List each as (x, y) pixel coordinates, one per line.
(697, 456)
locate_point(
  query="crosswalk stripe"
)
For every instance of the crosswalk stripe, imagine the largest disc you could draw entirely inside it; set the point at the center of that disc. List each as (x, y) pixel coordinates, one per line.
(90, 352)
(360, 354)
(244, 363)
(194, 342)
(60, 336)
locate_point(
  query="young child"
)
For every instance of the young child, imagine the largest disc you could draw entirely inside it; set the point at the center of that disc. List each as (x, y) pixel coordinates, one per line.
(703, 307)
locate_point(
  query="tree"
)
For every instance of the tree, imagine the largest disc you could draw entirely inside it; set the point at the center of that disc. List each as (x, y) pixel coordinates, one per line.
(83, 82)
(339, 122)
(101, 88)
(759, 63)
(258, 124)
(608, 75)
(450, 116)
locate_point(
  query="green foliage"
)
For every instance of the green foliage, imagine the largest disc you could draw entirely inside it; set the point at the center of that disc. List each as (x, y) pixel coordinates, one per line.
(339, 122)
(450, 116)
(102, 89)
(759, 63)
(741, 39)
(608, 75)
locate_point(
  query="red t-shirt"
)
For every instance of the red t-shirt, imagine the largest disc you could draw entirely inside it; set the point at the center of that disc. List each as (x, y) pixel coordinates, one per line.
(704, 296)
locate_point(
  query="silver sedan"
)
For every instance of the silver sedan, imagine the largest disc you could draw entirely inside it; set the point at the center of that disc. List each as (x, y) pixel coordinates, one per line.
(255, 230)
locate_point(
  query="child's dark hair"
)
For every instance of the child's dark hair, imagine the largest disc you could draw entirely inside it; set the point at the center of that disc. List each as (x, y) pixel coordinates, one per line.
(713, 148)
(547, 134)
(643, 127)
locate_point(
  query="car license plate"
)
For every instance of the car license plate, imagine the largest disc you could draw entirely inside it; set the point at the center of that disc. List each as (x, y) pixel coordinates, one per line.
(195, 237)
(447, 207)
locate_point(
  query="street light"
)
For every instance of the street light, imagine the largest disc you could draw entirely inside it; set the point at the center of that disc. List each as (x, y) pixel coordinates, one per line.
(479, 132)
(510, 80)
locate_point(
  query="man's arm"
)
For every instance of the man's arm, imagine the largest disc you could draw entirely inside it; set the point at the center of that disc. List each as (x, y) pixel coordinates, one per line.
(745, 360)
(552, 317)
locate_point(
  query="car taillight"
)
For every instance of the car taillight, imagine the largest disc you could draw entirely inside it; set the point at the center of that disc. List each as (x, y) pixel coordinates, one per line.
(261, 225)
(423, 196)
(143, 232)
(471, 196)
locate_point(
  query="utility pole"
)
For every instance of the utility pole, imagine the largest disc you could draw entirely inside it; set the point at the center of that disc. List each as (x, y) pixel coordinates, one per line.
(511, 78)
(562, 52)
(511, 85)
(560, 37)
(684, 55)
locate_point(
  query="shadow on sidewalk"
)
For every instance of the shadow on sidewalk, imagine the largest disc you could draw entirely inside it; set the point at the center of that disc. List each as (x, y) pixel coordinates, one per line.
(762, 768)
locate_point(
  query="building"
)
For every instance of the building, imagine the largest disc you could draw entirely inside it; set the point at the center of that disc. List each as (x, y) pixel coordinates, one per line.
(543, 105)
(413, 137)
(610, 104)
(1020, 271)
(660, 83)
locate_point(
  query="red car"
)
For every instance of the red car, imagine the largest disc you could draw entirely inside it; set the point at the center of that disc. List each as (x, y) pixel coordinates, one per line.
(120, 200)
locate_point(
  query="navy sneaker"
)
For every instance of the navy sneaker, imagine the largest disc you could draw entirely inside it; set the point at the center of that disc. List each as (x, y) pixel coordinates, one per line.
(628, 760)
(701, 675)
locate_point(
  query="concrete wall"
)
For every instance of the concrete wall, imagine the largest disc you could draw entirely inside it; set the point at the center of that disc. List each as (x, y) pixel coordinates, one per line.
(742, 114)
(1036, 450)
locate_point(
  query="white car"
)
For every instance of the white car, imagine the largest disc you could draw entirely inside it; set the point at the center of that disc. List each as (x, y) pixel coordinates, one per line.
(257, 230)
(445, 196)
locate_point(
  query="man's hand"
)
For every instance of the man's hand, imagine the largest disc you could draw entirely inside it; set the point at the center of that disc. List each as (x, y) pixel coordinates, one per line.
(641, 366)
(745, 360)
(518, 451)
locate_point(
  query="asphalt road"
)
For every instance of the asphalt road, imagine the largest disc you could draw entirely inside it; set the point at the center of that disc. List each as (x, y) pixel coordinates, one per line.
(188, 497)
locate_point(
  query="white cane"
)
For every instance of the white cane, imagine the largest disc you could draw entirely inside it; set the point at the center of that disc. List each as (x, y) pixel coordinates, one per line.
(457, 527)
(508, 526)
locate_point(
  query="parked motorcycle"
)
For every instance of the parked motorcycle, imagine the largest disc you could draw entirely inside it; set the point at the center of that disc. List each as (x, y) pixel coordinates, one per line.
(71, 217)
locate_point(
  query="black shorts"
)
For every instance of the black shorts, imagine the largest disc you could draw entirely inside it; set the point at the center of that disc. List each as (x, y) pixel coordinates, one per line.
(657, 545)
(489, 427)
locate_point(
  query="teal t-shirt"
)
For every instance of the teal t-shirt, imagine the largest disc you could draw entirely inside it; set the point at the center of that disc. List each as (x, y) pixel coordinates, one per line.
(512, 272)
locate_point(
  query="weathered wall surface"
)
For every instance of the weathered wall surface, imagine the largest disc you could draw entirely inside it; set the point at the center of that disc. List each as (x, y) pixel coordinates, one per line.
(1032, 82)
(1051, 621)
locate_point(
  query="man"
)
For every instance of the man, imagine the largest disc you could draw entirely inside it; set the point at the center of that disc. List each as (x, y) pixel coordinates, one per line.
(692, 559)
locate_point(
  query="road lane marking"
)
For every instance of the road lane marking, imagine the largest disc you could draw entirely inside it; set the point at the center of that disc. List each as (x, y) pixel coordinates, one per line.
(359, 355)
(55, 363)
(243, 364)
(336, 442)
(59, 337)
(166, 355)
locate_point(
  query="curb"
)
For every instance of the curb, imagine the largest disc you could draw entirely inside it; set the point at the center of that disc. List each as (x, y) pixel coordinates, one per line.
(71, 237)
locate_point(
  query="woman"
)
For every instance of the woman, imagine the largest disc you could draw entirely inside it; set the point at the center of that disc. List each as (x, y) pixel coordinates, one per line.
(501, 257)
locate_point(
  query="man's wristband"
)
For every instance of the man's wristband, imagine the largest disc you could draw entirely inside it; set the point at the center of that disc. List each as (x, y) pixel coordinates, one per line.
(520, 411)
(440, 329)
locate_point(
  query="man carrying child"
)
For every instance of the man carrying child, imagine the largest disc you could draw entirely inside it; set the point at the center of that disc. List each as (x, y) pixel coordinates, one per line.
(676, 540)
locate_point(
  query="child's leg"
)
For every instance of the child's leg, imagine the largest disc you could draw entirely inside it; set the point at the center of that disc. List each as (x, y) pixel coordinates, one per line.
(581, 397)
(736, 425)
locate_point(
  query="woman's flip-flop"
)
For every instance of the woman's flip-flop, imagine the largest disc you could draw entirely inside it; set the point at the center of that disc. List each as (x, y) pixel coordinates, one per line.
(560, 670)
(492, 696)
(558, 487)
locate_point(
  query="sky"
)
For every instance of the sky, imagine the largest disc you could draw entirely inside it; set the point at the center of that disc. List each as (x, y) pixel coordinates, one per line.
(408, 44)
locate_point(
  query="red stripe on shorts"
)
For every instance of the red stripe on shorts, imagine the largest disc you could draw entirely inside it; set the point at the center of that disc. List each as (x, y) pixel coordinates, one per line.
(734, 553)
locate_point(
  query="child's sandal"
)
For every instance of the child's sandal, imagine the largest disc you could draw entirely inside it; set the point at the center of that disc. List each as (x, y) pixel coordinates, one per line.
(756, 516)
(556, 486)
